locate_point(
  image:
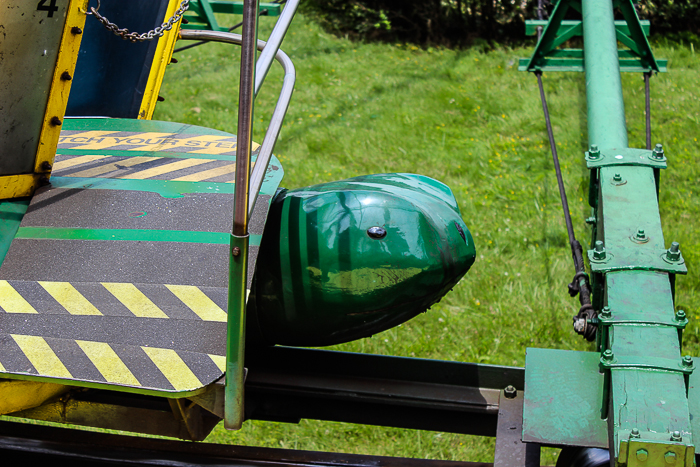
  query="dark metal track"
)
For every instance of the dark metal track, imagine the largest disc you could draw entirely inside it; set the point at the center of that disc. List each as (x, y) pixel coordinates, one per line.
(42, 445)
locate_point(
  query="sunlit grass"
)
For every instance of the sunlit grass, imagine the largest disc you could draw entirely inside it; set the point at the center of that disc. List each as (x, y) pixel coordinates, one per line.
(471, 120)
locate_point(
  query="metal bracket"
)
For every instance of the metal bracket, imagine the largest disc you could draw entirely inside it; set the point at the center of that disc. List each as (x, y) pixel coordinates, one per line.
(625, 156)
(636, 259)
(643, 452)
(644, 363)
(680, 324)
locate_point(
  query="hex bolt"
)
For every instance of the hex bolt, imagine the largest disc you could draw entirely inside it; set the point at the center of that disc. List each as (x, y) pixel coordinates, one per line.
(635, 433)
(676, 435)
(608, 355)
(55, 121)
(680, 315)
(46, 166)
(670, 457)
(642, 455)
(640, 234)
(594, 152)
(65, 76)
(510, 392)
(76, 30)
(617, 178)
(605, 312)
(687, 362)
(599, 250)
(658, 152)
(674, 253)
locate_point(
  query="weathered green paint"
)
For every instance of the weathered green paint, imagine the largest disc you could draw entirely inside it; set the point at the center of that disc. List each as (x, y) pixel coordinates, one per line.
(322, 279)
(563, 399)
(644, 390)
(132, 235)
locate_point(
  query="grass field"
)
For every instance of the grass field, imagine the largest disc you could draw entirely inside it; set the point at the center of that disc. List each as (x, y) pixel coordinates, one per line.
(471, 120)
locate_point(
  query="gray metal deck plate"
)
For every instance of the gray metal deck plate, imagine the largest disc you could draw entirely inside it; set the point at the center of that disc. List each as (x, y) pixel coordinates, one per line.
(118, 273)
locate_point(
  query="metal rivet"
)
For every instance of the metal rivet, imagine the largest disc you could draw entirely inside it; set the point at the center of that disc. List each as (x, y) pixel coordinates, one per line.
(635, 433)
(76, 30)
(510, 392)
(55, 121)
(670, 457)
(642, 455)
(46, 166)
(235, 251)
(674, 253)
(161, 98)
(65, 76)
(599, 250)
(376, 232)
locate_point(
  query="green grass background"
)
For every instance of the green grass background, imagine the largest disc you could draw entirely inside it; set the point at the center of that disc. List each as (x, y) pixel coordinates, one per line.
(471, 120)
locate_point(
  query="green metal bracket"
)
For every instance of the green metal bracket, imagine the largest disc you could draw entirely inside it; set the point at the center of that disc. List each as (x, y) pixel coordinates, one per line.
(635, 259)
(631, 33)
(200, 14)
(609, 361)
(625, 156)
(648, 450)
(604, 322)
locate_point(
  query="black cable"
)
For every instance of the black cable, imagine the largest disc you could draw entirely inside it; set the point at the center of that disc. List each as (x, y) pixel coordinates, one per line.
(579, 285)
(647, 97)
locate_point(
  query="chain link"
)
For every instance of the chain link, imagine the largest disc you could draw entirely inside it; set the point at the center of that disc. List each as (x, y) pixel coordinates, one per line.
(139, 37)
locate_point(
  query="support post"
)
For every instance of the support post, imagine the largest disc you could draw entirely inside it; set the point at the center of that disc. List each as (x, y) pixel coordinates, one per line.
(238, 254)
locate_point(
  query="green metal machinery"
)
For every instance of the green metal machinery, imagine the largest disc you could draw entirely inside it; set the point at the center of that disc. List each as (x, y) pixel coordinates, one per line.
(155, 278)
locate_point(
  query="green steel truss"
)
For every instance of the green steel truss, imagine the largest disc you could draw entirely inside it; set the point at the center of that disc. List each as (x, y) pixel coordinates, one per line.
(630, 32)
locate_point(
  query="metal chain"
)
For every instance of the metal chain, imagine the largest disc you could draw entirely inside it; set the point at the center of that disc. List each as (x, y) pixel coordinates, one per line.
(139, 37)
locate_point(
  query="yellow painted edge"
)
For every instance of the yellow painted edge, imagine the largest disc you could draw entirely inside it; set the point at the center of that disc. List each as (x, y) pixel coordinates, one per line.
(162, 57)
(60, 89)
(18, 186)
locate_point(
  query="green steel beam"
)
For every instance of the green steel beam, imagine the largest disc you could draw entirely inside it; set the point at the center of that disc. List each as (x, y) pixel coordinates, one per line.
(532, 25)
(606, 109)
(645, 381)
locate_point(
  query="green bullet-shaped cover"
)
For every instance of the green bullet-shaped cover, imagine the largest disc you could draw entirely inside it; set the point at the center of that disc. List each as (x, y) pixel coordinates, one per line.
(348, 259)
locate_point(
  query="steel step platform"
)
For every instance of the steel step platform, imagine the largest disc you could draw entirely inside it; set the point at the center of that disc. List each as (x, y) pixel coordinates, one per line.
(117, 275)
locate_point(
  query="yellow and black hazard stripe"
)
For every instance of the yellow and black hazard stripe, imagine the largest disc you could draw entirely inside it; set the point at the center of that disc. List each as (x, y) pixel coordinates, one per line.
(149, 337)
(145, 168)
